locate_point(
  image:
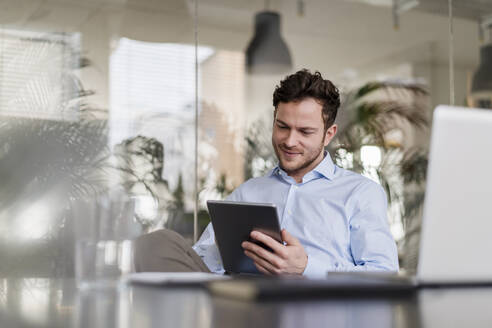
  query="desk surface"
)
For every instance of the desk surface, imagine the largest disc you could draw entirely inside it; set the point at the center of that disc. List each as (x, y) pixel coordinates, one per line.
(57, 303)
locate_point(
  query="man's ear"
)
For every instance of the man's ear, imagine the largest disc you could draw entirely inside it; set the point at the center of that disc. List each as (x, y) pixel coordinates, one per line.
(330, 133)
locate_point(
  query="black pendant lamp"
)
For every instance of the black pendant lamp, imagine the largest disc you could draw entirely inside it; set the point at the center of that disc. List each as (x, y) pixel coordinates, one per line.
(267, 53)
(482, 80)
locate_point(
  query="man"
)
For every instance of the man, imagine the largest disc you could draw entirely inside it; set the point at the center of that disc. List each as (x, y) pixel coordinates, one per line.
(332, 219)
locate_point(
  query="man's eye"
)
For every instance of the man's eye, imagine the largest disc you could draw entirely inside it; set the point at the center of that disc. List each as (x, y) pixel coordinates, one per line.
(282, 127)
(306, 132)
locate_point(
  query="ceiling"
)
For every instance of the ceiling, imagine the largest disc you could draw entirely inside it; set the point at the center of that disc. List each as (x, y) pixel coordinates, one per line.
(352, 25)
(354, 32)
(467, 9)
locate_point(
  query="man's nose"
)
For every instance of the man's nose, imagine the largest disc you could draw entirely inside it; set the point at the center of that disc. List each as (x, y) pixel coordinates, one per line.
(291, 139)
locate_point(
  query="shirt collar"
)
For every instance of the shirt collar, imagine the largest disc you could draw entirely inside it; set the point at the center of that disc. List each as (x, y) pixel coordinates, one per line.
(325, 168)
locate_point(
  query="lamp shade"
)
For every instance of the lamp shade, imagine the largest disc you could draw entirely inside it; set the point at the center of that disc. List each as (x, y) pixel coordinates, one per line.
(482, 80)
(267, 53)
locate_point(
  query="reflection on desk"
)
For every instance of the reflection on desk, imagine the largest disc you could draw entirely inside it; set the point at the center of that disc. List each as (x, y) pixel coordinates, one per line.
(57, 303)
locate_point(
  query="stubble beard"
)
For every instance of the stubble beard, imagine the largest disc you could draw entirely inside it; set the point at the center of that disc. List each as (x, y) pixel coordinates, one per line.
(311, 158)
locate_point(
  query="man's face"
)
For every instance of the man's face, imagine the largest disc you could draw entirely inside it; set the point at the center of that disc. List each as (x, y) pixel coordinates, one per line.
(298, 136)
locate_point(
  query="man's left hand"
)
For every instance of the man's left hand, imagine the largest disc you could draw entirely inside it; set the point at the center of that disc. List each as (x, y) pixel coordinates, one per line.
(285, 259)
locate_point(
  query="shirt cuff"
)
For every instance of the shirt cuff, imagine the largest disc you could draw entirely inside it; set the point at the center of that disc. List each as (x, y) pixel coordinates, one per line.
(315, 268)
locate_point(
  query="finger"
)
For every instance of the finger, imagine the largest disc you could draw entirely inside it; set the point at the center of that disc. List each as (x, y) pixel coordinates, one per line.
(261, 252)
(269, 241)
(262, 269)
(289, 239)
(262, 262)
(259, 262)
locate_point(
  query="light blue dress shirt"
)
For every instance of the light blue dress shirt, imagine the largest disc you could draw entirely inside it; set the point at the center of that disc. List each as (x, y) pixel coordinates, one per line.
(338, 216)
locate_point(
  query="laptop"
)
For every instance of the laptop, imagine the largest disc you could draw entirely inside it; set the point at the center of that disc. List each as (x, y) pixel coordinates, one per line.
(457, 223)
(455, 242)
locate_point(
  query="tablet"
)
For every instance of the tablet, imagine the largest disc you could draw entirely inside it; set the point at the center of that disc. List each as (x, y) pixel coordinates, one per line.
(233, 223)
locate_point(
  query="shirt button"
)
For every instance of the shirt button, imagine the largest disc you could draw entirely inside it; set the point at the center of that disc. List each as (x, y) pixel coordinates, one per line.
(290, 212)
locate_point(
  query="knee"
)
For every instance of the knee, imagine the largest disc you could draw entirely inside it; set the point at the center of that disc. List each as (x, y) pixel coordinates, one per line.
(153, 250)
(155, 240)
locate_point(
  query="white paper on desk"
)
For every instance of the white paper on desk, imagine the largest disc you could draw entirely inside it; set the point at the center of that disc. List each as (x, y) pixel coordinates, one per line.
(170, 278)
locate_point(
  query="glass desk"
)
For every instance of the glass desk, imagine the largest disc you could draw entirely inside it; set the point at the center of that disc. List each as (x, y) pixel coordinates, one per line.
(54, 303)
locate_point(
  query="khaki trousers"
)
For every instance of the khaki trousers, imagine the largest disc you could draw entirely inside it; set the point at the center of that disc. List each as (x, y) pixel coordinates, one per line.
(166, 251)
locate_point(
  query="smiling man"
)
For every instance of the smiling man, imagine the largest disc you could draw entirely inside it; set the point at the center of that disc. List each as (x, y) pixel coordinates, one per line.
(332, 219)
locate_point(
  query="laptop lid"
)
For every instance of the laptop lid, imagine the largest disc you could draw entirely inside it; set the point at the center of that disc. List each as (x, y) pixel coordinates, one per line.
(456, 241)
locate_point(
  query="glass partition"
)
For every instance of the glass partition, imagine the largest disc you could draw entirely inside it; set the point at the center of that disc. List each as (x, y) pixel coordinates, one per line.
(95, 98)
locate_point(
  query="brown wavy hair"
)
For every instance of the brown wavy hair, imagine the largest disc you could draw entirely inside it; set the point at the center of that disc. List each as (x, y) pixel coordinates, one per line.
(304, 84)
